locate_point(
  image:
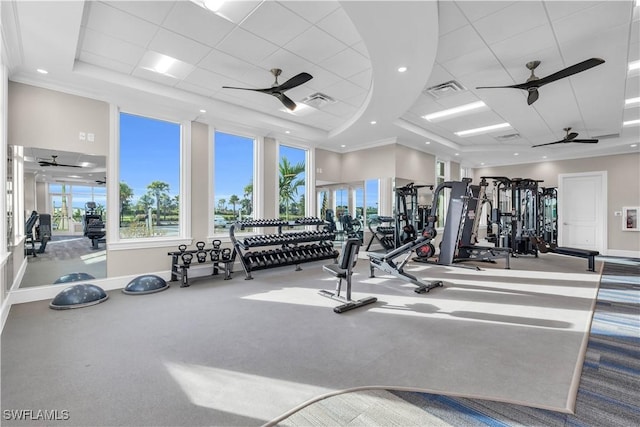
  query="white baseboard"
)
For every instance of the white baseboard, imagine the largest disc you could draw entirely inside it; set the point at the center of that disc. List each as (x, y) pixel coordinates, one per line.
(621, 253)
(6, 304)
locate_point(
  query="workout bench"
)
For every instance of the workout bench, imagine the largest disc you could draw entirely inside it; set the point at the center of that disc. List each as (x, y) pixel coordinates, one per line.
(545, 247)
(343, 270)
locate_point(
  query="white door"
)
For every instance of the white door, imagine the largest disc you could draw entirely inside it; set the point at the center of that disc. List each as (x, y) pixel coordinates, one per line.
(582, 200)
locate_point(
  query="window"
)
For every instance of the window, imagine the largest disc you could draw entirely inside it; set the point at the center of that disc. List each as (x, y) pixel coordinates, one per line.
(372, 198)
(232, 180)
(443, 197)
(323, 203)
(359, 203)
(292, 182)
(149, 177)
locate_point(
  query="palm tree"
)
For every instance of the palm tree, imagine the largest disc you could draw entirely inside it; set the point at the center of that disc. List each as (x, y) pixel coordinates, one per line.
(288, 184)
(221, 203)
(158, 189)
(126, 194)
(233, 200)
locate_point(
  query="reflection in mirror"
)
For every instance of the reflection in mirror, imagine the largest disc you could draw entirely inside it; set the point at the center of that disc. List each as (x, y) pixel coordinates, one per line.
(64, 211)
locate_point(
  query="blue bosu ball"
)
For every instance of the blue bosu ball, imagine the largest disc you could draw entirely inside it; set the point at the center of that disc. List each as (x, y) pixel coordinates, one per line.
(146, 284)
(78, 296)
(74, 277)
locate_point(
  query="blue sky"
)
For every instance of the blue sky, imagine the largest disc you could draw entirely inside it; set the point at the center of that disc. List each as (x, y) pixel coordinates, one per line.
(149, 151)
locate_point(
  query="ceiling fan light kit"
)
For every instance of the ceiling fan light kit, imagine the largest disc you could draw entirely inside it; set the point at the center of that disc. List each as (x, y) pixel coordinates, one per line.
(278, 90)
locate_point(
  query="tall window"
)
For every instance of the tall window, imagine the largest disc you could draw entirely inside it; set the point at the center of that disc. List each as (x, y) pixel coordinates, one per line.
(372, 198)
(149, 177)
(359, 202)
(291, 182)
(323, 203)
(232, 179)
(443, 197)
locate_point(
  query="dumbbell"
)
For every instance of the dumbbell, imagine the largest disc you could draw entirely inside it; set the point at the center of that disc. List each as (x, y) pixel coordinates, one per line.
(261, 259)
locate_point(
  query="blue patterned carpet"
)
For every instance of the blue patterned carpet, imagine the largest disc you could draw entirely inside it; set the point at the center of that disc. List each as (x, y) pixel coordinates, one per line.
(609, 391)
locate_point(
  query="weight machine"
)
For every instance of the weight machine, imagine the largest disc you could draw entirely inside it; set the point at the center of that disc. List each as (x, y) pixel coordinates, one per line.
(94, 227)
(548, 202)
(37, 233)
(410, 216)
(516, 213)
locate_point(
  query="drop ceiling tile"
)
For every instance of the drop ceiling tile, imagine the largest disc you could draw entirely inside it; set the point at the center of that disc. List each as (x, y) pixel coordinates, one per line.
(247, 46)
(590, 22)
(361, 48)
(195, 89)
(163, 79)
(275, 23)
(196, 23)
(237, 11)
(312, 11)
(111, 48)
(223, 63)
(526, 44)
(152, 11)
(179, 47)
(362, 79)
(560, 9)
(502, 25)
(340, 110)
(480, 58)
(347, 63)
(103, 62)
(340, 26)
(315, 45)
(206, 79)
(287, 61)
(475, 10)
(120, 25)
(323, 80)
(457, 43)
(450, 17)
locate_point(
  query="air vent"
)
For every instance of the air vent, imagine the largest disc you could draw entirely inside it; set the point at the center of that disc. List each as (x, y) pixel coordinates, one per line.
(444, 89)
(318, 100)
(508, 137)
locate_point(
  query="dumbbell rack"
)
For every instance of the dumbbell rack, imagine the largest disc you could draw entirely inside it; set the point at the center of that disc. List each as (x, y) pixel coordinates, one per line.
(183, 259)
(291, 248)
(385, 234)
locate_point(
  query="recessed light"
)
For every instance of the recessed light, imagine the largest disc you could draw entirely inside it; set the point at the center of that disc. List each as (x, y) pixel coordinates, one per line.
(373, 122)
(287, 131)
(484, 129)
(402, 69)
(454, 111)
(203, 111)
(457, 154)
(482, 164)
(634, 145)
(342, 146)
(630, 101)
(635, 65)
(516, 154)
(544, 157)
(42, 71)
(631, 122)
(427, 142)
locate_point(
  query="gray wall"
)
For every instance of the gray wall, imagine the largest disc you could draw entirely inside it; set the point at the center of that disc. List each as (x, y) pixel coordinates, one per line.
(623, 189)
(48, 119)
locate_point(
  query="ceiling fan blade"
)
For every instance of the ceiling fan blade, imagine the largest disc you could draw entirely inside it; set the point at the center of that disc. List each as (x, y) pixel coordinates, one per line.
(502, 87)
(243, 88)
(285, 100)
(294, 81)
(533, 96)
(569, 71)
(549, 143)
(571, 136)
(586, 141)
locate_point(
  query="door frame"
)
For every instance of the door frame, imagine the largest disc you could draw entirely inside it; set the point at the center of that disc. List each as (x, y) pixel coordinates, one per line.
(602, 230)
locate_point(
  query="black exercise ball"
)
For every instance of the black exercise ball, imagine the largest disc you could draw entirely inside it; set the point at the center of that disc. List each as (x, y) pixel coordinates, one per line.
(78, 296)
(74, 277)
(146, 284)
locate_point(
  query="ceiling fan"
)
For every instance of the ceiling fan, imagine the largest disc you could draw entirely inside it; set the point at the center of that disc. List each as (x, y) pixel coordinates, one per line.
(278, 90)
(533, 82)
(54, 162)
(101, 181)
(570, 137)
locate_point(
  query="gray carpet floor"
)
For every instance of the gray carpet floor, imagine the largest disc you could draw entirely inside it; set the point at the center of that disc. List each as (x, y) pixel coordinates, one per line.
(243, 352)
(609, 392)
(64, 255)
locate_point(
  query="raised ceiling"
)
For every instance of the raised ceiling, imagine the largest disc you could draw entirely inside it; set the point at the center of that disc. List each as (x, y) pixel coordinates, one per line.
(104, 50)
